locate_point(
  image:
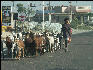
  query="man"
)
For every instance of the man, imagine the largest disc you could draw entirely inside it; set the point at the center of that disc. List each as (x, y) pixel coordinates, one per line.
(66, 30)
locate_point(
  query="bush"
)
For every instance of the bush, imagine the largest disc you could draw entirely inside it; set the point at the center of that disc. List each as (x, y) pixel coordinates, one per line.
(84, 27)
(75, 22)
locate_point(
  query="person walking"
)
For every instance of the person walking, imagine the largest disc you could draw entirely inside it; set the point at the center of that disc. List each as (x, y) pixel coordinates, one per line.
(66, 31)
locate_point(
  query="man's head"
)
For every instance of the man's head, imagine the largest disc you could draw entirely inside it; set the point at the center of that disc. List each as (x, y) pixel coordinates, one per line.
(67, 20)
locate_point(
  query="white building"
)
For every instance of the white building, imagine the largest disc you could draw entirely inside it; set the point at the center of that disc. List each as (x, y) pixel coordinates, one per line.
(83, 9)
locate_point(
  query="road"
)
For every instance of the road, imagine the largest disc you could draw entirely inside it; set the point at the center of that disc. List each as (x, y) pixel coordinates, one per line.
(80, 57)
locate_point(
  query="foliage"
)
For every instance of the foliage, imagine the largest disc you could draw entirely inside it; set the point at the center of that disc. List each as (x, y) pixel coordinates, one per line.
(85, 27)
(21, 8)
(90, 14)
(38, 27)
(75, 22)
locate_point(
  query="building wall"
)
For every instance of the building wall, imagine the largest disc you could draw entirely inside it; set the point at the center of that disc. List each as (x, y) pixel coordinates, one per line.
(58, 9)
(64, 9)
(39, 17)
(47, 8)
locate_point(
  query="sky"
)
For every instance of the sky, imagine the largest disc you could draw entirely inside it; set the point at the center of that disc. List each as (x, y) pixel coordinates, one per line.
(53, 3)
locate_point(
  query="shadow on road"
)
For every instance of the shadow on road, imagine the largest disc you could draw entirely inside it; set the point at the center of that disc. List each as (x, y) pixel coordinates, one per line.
(62, 69)
(8, 59)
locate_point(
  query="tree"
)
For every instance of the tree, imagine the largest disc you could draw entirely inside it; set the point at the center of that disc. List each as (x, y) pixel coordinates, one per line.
(21, 8)
(90, 14)
(75, 22)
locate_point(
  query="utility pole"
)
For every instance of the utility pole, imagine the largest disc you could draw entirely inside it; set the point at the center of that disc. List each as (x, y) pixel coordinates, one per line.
(43, 17)
(13, 3)
(49, 12)
(70, 10)
(28, 12)
(13, 15)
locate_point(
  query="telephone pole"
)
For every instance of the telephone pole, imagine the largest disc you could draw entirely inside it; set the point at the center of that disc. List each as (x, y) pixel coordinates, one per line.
(12, 14)
(43, 17)
(28, 12)
(70, 10)
(49, 12)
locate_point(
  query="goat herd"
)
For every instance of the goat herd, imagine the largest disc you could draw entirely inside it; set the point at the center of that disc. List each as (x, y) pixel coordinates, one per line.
(30, 44)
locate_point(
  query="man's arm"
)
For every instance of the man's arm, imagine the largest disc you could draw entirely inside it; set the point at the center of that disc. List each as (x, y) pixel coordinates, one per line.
(69, 30)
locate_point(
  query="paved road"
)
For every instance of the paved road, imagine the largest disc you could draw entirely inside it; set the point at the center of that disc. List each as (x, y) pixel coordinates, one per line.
(80, 57)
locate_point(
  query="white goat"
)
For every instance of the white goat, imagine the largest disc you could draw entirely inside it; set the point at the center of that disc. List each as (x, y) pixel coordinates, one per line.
(51, 43)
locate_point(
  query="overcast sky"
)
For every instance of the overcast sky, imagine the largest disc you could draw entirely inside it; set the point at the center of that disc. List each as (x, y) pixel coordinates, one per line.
(53, 3)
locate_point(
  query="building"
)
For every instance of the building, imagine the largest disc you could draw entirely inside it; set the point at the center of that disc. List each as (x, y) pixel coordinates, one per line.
(83, 9)
(39, 15)
(64, 8)
(58, 13)
(84, 13)
(48, 8)
(58, 9)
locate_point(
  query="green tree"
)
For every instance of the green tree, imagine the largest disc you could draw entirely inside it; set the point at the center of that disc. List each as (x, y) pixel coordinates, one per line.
(21, 8)
(75, 22)
(90, 14)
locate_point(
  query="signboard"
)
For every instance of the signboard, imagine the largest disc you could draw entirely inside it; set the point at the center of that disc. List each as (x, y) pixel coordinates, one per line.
(6, 15)
(22, 17)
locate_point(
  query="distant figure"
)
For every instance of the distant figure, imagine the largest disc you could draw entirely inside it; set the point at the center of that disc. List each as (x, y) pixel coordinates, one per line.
(66, 31)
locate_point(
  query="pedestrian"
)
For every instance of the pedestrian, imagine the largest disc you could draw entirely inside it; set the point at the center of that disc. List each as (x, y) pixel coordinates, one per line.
(66, 31)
